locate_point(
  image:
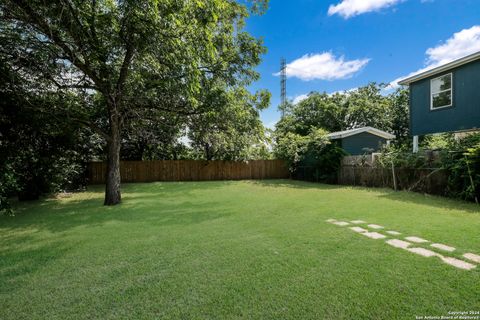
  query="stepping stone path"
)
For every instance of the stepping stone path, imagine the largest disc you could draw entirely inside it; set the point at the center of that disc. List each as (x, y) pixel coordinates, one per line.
(423, 252)
(442, 247)
(458, 263)
(357, 221)
(416, 239)
(394, 233)
(398, 243)
(374, 235)
(341, 223)
(358, 229)
(472, 257)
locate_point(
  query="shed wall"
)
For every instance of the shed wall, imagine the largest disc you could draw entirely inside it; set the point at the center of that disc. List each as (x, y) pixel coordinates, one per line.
(356, 144)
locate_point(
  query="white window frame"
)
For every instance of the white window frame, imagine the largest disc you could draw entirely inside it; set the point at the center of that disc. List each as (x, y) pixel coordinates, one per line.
(432, 93)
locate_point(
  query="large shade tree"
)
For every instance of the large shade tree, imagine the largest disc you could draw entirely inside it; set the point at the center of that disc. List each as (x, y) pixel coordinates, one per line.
(137, 57)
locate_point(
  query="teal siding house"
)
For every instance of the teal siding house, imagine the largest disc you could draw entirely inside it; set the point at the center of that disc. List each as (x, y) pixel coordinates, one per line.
(361, 141)
(445, 98)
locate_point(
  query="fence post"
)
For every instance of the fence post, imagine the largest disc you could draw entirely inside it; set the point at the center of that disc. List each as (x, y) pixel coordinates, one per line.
(394, 178)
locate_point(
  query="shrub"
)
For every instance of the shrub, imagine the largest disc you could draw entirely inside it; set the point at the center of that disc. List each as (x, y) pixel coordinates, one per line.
(319, 158)
(462, 160)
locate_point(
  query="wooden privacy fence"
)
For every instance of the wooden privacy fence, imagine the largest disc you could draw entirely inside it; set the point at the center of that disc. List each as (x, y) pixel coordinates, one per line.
(363, 171)
(190, 170)
(428, 180)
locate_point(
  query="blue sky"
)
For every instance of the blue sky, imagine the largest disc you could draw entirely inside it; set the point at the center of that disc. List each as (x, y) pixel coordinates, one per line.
(337, 45)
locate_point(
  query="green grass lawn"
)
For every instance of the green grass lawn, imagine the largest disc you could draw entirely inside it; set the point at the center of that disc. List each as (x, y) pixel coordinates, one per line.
(233, 250)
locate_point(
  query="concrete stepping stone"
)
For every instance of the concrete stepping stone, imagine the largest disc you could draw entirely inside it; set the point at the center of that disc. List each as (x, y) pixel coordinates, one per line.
(331, 220)
(442, 247)
(472, 257)
(458, 263)
(423, 252)
(394, 233)
(374, 235)
(375, 226)
(341, 223)
(416, 239)
(358, 229)
(398, 243)
(357, 221)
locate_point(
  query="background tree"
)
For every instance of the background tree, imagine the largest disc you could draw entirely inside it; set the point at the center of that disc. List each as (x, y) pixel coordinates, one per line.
(136, 56)
(233, 131)
(364, 106)
(367, 106)
(158, 136)
(39, 152)
(314, 152)
(399, 115)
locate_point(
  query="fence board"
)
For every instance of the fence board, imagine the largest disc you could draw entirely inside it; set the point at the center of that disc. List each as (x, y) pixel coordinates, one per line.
(190, 170)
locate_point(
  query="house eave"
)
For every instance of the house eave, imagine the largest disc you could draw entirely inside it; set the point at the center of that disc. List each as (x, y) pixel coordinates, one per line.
(440, 69)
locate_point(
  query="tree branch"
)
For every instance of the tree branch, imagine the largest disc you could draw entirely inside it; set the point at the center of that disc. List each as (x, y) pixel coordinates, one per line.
(48, 31)
(93, 127)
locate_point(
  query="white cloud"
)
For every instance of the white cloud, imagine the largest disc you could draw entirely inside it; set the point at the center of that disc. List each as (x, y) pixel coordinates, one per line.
(351, 8)
(461, 44)
(299, 98)
(324, 66)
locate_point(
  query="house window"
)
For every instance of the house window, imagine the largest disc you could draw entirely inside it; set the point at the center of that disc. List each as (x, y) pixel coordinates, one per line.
(441, 92)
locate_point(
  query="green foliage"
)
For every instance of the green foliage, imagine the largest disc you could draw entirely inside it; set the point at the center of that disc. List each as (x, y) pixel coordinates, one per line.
(462, 161)
(314, 151)
(398, 116)
(365, 106)
(126, 62)
(232, 132)
(402, 157)
(8, 185)
(459, 158)
(41, 148)
(438, 141)
(291, 147)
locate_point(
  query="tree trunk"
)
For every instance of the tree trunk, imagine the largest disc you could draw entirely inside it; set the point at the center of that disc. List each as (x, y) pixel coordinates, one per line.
(208, 154)
(112, 188)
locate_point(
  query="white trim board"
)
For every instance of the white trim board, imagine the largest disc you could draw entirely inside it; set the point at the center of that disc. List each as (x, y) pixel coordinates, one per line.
(352, 132)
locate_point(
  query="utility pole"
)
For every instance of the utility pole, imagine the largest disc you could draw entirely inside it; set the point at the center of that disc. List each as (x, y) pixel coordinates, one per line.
(283, 85)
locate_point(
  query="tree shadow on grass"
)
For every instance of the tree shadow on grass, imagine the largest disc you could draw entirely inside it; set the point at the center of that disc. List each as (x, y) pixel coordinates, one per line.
(162, 203)
(401, 196)
(16, 263)
(297, 184)
(158, 209)
(430, 200)
(166, 187)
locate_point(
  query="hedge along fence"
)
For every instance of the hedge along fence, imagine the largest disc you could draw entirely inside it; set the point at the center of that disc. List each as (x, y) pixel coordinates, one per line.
(190, 170)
